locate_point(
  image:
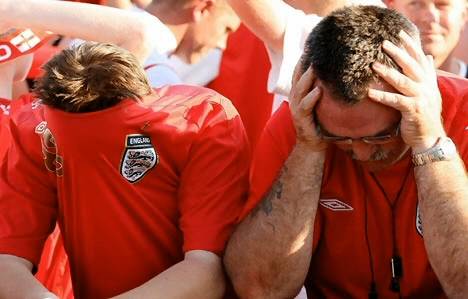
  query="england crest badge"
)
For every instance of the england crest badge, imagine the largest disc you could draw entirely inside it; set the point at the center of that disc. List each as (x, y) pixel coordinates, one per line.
(138, 158)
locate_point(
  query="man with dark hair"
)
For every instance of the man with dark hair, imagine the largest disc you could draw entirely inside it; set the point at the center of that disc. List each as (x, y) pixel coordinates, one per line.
(145, 185)
(357, 189)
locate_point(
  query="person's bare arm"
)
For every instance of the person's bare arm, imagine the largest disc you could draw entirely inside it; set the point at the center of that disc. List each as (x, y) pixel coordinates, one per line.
(266, 18)
(199, 275)
(268, 255)
(442, 186)
(17, 282)
(444, 210)
(81, 20)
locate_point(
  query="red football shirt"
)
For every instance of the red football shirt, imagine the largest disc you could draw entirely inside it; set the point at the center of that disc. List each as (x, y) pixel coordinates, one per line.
(340, 266)
(133, 187)
(243, 77)
(53, 271)
(4, 113)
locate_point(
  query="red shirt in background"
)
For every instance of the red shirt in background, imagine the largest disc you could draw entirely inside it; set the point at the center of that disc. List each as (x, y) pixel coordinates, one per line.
(243, 79)
(53, 270)
(133, 186)
(4, 114)
(340, 266)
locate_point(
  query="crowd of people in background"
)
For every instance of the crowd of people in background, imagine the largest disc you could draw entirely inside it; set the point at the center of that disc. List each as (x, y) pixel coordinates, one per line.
(233, 149)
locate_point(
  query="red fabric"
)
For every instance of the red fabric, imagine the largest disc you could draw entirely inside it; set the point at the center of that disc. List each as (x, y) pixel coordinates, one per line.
(340, 265)
(41, 57)
(54, 270)
(119, 234)
(90, 1)
(243, 79)
(8, 107)
(4, 113)
(19, 42)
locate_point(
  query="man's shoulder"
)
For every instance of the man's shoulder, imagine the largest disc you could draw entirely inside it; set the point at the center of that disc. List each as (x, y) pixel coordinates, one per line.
(281, 128)
(454, 92)
(453, 88)
(195, 102)
(27, 109)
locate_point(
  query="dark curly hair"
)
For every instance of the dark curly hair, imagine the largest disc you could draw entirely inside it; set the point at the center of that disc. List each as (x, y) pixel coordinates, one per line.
(91, 77)
(343, 46)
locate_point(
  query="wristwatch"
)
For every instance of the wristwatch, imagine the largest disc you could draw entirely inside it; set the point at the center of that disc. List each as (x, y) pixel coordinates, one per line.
(443, 150)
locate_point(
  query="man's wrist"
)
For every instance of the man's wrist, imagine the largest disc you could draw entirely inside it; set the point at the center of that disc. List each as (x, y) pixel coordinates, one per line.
(424, 145)
(443, 150)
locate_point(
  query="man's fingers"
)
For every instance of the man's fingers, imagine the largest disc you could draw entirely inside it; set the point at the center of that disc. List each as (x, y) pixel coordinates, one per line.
(394, 100)
(303, 86)
(297, 73)
(412, 47)
(408, 64)
(396, 79)
(308, 102)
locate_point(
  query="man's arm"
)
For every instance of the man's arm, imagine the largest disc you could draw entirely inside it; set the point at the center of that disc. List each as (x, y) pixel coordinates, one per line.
(268, 255)
(442, 186)
(98, 23)
(17, 282)
(199, 275)
(443, 201)
(266, 18)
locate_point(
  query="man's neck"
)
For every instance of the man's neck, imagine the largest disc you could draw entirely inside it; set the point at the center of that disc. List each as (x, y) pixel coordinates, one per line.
(187, 53)
(450, 65)
(169, 17)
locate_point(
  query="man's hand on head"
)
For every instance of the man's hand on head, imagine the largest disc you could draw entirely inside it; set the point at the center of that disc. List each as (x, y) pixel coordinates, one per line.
(417, 97)
(303, 98)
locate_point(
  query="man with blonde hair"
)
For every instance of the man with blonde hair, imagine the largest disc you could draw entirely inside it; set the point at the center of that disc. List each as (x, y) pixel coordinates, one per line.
(145, 185)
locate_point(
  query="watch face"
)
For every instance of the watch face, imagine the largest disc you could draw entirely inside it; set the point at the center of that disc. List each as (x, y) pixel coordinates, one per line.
(449, 148)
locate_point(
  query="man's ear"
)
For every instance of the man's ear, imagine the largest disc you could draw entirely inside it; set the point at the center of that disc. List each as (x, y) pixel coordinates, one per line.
(201, 9)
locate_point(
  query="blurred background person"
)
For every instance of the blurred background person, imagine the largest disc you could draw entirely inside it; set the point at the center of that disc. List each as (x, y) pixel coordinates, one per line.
(440, 23)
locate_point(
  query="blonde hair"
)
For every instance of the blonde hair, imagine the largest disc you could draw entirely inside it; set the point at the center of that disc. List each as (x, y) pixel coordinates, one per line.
(90, 77)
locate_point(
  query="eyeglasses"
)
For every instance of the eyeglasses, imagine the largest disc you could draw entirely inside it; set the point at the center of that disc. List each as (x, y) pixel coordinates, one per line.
(379, 139)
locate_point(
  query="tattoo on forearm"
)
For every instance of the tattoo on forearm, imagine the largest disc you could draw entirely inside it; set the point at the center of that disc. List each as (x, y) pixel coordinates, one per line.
(276, 191)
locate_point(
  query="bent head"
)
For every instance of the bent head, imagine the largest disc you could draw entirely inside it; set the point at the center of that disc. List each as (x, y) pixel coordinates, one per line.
(213, 30)
(440, 23)
(321, 8)
(341, 50)
(91, 77)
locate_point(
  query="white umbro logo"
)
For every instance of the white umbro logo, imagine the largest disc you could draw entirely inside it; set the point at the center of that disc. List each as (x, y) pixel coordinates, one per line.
(335, 205)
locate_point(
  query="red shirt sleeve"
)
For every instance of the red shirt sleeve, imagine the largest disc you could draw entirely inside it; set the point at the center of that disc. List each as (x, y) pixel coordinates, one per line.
(27, 198)
(214, 182)
(273, 148)
(4, 135)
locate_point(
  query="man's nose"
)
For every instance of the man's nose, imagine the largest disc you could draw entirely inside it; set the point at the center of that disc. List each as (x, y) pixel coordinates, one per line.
(431, 13)
(362, 151)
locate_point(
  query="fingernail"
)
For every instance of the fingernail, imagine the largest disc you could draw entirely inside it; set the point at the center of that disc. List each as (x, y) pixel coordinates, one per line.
(403, 34)
(386, 44)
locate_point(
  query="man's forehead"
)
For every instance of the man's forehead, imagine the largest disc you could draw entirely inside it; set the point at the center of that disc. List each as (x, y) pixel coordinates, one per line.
(335, 115)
